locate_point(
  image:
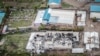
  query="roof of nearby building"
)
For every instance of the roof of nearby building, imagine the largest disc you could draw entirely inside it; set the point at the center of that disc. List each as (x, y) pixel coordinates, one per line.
(54, 1)
(39, 16)
(91, 39)
(46, 15)
(95, 8)
(29, 44)
(62, 16)
(77, 50)
(81, 19)
(2, 14)
(97, 0)
(95, 14)
(55, 16)
(37, 43)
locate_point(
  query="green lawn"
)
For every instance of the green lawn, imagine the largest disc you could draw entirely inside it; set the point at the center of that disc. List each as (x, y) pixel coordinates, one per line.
(21, 18)
(16, 43)
(20, 23)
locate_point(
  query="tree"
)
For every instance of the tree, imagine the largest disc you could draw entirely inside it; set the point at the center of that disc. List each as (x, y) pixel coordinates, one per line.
(35, 9)
(42, 27)
(53, 27)
(1, 4)
(94, 19)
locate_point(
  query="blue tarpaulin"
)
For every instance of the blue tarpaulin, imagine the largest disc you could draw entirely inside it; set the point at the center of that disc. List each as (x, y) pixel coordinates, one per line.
(95, 8)
(97, 0)
(46, 15)
(2, 14)
(54, 1)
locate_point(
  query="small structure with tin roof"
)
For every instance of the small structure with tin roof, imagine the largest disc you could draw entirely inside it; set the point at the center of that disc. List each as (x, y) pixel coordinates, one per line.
(95, 11)
(54, 3)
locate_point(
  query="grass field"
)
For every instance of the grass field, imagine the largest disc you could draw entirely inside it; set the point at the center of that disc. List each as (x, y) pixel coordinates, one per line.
(18, 17)
(16, 43)
(20, 23)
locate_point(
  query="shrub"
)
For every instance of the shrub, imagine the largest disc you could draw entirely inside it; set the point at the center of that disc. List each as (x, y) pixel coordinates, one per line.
(94, 19)
(78, 29)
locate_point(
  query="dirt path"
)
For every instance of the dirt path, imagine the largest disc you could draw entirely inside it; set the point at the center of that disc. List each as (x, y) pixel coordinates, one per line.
(75, 3)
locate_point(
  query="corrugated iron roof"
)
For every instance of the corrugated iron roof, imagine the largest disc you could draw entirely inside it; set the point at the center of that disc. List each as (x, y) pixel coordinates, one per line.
(54, 1)
(97, 0)
(2, 14)
(46, 15)
(95, 8)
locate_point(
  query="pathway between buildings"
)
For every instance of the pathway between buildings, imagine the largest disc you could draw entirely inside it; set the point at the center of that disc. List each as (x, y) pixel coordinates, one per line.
(75, 3)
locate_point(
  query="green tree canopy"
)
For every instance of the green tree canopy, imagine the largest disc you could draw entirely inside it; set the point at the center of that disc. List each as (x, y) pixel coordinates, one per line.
(1, 4)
